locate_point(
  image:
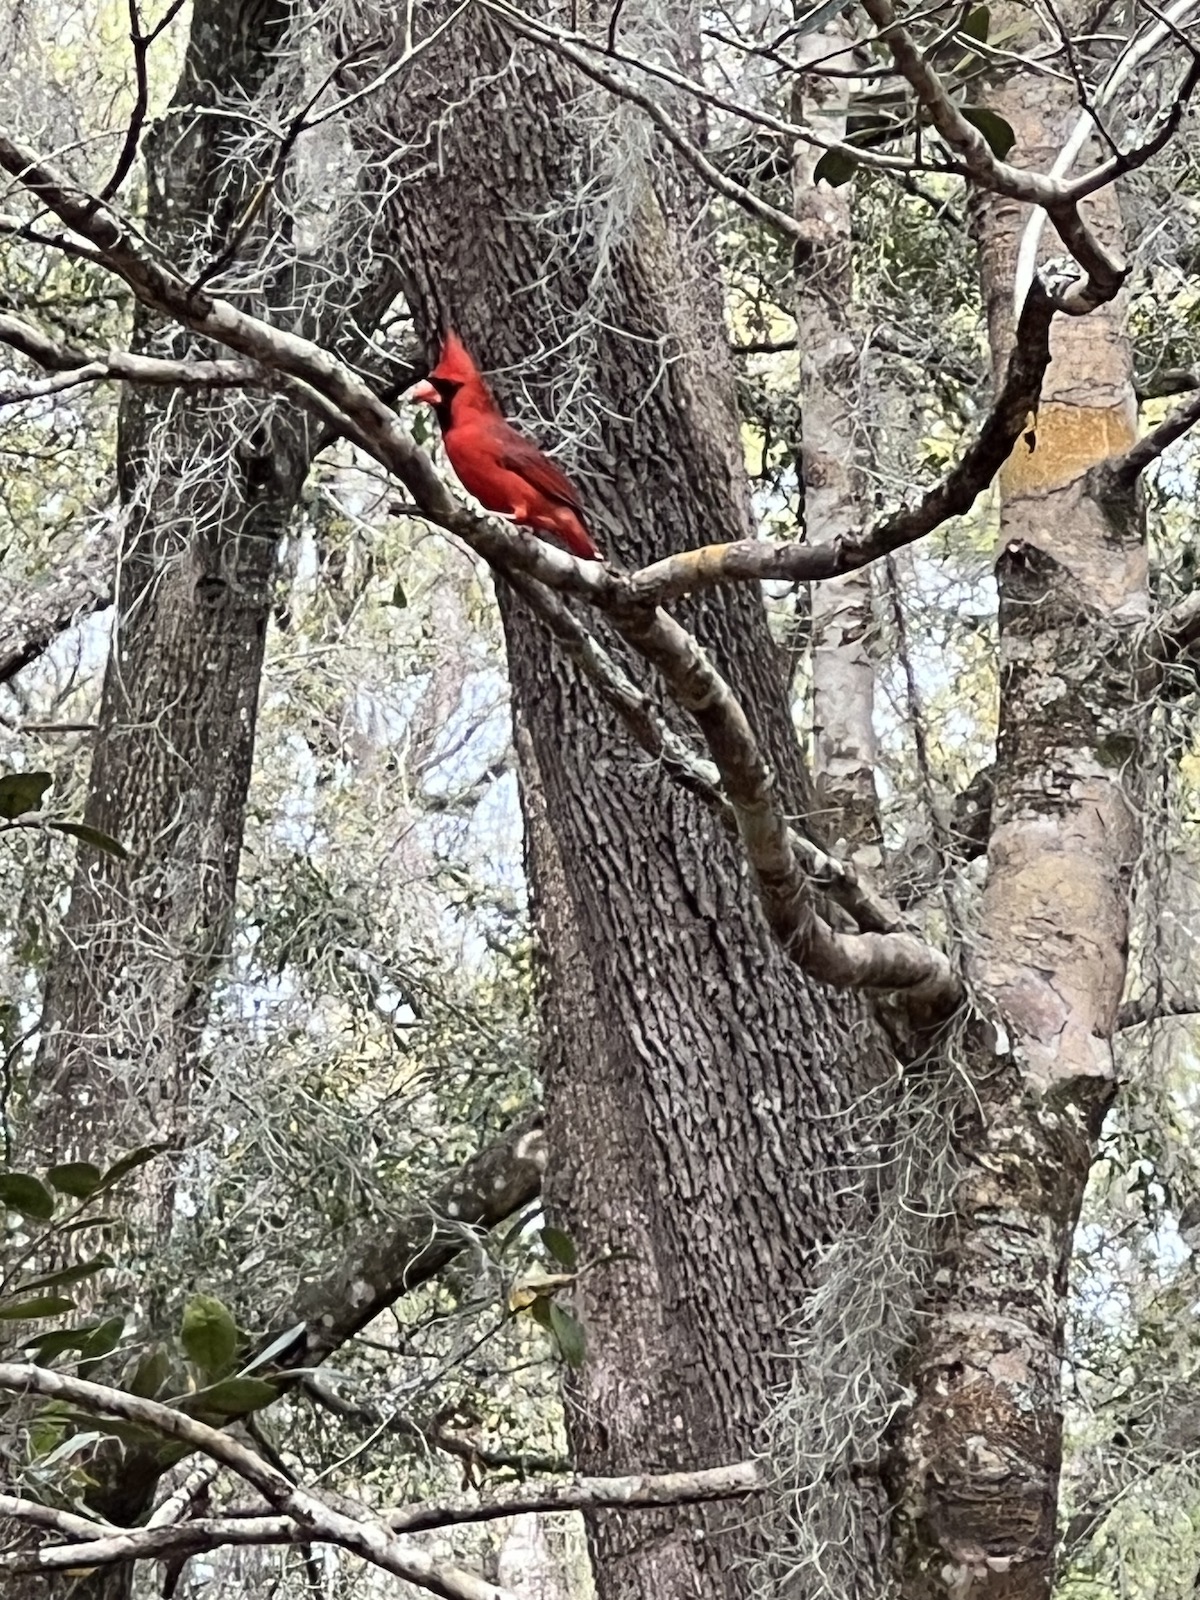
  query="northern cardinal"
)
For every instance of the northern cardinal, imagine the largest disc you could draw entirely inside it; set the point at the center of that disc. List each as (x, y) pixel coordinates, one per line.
(505, 472)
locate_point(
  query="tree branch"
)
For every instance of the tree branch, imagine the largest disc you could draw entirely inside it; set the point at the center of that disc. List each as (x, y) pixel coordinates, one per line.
(1124, 471)
(370, 1419)
(29, 623)
(1164, 381)
(1176, 632)
(355, 1529)
(754, 560)
(137, 117)
(98, 1545)
(581, 47)
(71, 367)
(870, 911)
(501, 1179)
(761, 210)
(1105, 273)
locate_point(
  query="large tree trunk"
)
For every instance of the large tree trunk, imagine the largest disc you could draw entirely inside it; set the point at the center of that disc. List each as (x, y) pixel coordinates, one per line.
(696, 1085)
(982, 1447)
(208, 482)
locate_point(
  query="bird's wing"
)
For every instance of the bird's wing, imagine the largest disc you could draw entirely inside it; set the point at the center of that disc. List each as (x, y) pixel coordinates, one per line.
(524, 458)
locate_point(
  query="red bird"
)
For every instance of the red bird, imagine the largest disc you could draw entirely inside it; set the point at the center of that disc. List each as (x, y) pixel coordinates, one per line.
(505, 472)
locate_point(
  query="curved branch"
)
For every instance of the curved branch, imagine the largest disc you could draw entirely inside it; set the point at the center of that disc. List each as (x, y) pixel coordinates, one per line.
(352, 1527)
(884, 961)
(1124, 471)
(100, 1545)
(753, 559)
(30, 622)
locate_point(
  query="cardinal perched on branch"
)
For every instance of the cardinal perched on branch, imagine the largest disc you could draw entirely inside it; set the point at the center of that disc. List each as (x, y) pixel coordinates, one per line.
(504, 472)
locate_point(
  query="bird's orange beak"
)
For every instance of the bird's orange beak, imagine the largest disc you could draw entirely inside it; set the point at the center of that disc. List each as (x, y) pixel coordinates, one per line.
(425, 394)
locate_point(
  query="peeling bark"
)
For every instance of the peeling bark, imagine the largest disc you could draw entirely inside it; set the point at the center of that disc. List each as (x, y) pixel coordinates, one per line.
(980, 1452)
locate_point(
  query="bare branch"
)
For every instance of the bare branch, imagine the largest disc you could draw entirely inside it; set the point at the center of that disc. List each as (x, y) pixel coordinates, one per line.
(35, 1515)
(547, 34)
(128, 368)
(137, 118)
(1164, 381)
(832, 876)
(1105, 273)
(72, 367)
(29, 623)
(753, 560)
(863, 960)
(355, 1529)
(38, 346)
(1176, 632)
(501, 1179)
(371, 1419)
(1124, 471)
(100, 1545)
(712, 175)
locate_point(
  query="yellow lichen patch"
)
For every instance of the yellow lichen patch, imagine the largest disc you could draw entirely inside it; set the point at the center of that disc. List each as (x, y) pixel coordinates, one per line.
(1062, 442)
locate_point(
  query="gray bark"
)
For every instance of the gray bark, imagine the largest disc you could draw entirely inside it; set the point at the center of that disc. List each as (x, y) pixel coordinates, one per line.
(696, 1086)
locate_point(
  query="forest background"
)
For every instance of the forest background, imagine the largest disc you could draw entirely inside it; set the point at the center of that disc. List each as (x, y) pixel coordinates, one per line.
(707, 1041)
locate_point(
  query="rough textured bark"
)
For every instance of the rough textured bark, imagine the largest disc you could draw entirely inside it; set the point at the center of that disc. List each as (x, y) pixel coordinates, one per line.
(207, 490)
(695, 1085)
(207, 483)
(982, 1447)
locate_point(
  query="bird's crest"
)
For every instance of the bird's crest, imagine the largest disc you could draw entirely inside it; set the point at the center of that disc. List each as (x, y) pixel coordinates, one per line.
(455, 364)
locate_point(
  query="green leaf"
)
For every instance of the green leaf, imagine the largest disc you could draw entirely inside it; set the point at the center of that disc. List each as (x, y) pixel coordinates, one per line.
(568, 1334)
(998, 134)
(209, 1334)
(47, 1346)
(21, 792)
(76, 1178)
(135, 1158)
(561, 1246)
(232, 1397)
(44, 1435)
(22, 1192)
(151, 1373)
(43, 1305)
(59, 1280)
(835, 168)
(71, 1447)
(104, 1338)
(539, 1310)
(81, 1223)
(285, 1341)
(93, 836)
(977, 24)
(129, 1432)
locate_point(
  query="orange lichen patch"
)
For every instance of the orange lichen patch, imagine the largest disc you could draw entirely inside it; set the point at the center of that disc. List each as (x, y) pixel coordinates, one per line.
(1062, 442)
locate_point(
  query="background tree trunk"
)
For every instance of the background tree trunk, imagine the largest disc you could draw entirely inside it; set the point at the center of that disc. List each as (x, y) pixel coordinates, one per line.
(983, 1446)
(208, 482)
(834, 494)
(696, 1085)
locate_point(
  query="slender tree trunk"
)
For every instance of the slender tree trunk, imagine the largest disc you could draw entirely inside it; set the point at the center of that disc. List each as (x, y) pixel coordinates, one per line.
(982, 1446)
(696, 1086)
(843, 673)
(208, 482)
